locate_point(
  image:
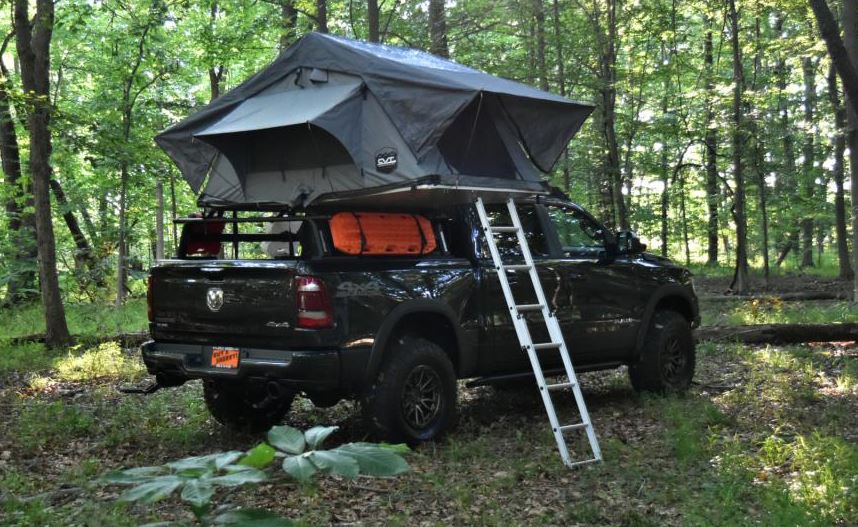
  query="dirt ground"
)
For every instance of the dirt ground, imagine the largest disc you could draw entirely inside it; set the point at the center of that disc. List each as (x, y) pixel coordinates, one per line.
(766, 436)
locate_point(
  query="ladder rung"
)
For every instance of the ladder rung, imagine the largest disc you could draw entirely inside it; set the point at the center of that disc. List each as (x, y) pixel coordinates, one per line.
(546, 346)
(517, 267)
(504, 228)
(576, 426)
(584, 462)
(529, 307)
(559, 386)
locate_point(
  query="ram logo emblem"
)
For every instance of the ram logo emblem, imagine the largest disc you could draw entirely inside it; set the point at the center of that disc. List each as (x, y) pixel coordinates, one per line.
(214, 298)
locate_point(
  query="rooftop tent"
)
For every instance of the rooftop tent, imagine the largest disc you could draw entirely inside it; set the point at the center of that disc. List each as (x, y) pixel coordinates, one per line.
(332, 118)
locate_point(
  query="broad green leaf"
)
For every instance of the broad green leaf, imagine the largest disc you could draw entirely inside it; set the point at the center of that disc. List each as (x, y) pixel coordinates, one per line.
(287, 439)
(154, 490)
(399, 448)
(299, 467)
(211, 461)
(131, 475)
(374, 460)
(317, 435)
(335, 463)
(239, 477)
(198, 492)
(259, 456)
(252, 518)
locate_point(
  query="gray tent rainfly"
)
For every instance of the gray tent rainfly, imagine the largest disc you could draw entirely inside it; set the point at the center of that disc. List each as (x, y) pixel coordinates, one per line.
(333, 117)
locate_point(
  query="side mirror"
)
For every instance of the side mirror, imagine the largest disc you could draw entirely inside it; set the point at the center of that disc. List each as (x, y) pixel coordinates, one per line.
(630, 243)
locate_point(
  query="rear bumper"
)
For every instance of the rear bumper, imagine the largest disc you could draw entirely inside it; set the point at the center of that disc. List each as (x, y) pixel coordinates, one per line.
(316, 370)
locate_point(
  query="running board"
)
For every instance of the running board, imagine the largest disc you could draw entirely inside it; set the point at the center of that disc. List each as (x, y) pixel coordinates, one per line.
(489, 380)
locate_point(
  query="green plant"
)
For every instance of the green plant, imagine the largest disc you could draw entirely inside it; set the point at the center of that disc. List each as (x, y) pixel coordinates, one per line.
(197, 478)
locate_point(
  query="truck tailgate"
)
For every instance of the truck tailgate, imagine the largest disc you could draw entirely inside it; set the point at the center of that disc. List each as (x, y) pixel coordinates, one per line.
(224, 302)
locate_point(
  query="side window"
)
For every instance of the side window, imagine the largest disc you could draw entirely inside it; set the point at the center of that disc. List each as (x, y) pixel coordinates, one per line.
(578, 235)
(507, 242)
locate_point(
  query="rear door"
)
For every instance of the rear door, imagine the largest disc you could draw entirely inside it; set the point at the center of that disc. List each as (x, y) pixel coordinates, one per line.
(503, 353)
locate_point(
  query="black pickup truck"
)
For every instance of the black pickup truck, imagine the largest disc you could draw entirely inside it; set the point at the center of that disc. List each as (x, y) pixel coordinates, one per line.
(396, 332)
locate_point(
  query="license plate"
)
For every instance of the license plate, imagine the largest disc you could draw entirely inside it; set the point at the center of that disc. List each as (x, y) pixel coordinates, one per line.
(225, 358)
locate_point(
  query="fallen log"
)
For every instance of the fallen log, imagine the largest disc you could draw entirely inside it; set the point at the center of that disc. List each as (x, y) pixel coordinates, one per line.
(779, 333)
(126, 340)
(784, 297)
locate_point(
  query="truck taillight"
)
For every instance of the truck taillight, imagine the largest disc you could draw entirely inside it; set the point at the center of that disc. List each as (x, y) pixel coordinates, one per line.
(314, 306)
(149, 298)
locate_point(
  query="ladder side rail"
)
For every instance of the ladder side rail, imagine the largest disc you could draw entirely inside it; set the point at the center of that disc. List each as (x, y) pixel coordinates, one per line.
(521, 329)
(555, 332)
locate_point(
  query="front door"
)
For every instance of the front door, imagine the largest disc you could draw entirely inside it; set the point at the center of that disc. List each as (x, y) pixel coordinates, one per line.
(599, 318)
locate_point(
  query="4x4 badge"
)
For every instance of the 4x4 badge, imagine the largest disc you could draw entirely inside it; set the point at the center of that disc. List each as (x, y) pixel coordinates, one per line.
(214, 298)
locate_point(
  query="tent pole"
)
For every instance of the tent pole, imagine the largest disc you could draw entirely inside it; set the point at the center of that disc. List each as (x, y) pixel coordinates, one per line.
(474, 127)
(235, 235)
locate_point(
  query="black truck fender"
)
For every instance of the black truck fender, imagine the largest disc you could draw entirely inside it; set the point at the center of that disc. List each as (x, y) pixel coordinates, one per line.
(464, 356)
(668, 296)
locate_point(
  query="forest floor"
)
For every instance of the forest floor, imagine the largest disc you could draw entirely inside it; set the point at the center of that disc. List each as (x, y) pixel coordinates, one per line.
(766, 436)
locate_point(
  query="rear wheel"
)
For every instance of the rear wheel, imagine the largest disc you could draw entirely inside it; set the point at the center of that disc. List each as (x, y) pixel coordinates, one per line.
(414, 397)
(667, 361)
(246, 407)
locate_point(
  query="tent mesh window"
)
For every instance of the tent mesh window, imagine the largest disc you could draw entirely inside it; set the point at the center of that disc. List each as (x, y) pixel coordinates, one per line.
(471, 145)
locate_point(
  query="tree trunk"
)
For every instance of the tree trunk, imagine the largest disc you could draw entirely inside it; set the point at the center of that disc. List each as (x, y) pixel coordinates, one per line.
(22, 250)
(438, 29)
(740, 280)
(838, 173)
(159, 220)
(122, 255)
(710, 141)
(608, 88)
(561, 84)
(539, 15)
(684, 217)
(34, 48)
(844, 55)
(215, 76)
(289, 19)
(785, 183)
(372, 19)
(780, 333)
(850, 34)
(322, 16)
(84, 253)
(808, 171)
(665, 200)
(759, 157)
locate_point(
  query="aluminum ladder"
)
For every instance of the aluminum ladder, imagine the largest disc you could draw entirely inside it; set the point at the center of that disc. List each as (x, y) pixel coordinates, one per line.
(518, 313)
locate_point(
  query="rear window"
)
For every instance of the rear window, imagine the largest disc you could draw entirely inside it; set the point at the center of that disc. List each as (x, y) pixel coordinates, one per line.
(264, 240)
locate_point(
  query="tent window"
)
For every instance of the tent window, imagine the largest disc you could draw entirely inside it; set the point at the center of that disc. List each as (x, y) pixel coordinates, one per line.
(281, 149)
(487, 155)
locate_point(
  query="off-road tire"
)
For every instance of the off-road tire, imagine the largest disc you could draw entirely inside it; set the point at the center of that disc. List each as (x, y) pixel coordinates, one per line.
(243, 407)
(667, 361)
(390, 406)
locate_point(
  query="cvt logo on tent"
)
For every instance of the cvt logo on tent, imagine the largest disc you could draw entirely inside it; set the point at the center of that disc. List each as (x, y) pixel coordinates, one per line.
(385, 160)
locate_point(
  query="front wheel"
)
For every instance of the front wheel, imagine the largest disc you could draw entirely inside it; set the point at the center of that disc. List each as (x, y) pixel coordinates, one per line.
(667, 360)
(414, 397)
(246, 407)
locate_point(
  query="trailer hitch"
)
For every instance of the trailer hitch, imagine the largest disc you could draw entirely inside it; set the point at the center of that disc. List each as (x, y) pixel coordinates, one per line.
(148, 388)
(141, 389)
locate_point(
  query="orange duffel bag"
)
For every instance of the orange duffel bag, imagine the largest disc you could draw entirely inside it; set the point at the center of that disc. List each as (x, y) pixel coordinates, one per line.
(378, 233)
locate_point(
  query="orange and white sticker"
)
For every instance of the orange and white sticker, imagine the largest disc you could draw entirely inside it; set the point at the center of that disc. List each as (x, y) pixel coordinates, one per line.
(225, 357)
